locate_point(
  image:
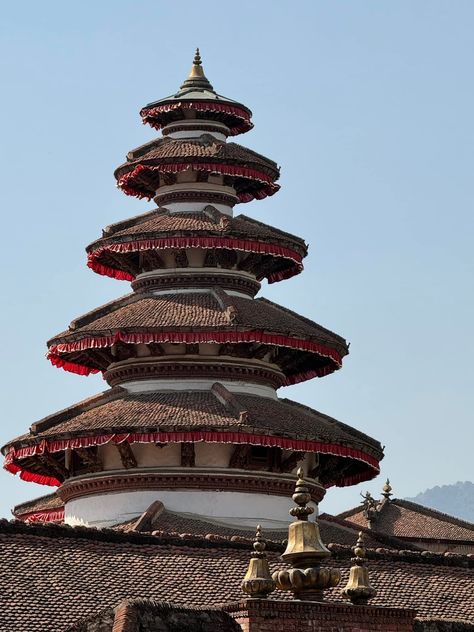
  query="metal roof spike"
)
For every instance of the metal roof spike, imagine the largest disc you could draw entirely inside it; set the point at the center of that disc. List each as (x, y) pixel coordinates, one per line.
(196, 78)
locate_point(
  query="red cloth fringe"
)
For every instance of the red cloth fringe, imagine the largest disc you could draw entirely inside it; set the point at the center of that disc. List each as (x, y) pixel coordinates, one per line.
(44, 515)
(14, 455)
(129, 185)
(218, 337)
(149, 114)
(195, 242)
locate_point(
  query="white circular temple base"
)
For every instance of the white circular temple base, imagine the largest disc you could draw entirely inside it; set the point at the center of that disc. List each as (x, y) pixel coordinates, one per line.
(233, 509)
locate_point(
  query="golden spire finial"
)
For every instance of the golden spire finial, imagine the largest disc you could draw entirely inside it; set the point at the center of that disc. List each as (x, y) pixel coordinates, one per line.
(301, 497)
(197, 58)
(304, 551)
(387, 490)
(358, 588)
(196, 78)
(258, 582)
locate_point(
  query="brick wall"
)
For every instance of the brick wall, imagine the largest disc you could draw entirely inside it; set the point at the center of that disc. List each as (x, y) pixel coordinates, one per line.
(260, 615)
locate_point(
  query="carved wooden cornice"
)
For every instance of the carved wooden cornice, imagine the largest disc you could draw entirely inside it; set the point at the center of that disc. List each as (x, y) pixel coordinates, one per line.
(180, 368)
(196, 281)
(254, 483)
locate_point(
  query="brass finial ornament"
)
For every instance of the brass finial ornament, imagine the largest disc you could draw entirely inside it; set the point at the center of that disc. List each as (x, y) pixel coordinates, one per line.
(196, 78)
(258, 581)
(358, 588)
(387, 490)
(307, 579)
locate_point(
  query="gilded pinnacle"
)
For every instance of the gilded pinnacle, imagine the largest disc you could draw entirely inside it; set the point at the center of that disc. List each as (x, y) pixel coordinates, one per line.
(305, 550)
(196, 78)
(358, 588)
(197, 58)
(359, 550)
(259, 544)
(301, 497)
(258, 582)
(387, 489)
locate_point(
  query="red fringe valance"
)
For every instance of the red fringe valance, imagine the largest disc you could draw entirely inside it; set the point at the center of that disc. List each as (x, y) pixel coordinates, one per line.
(301, 445)
(129, 185)
(163, 243)
(44, 515)
(191, 337)
(149, 114)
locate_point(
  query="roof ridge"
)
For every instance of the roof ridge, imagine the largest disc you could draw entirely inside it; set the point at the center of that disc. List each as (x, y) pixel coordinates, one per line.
(56, 531)
(429, 511)
(26, 503)
(376, 535)
(227, 305)
(306, 320)
(116, 227)
(229, 400)
(136, 152)
(277, 230)
(86, 404)
(331, 420)
(102, 310)
(350, 512)
(257, 155)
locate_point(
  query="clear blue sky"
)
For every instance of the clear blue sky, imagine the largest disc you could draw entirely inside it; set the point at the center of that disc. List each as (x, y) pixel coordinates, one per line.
(368, 108)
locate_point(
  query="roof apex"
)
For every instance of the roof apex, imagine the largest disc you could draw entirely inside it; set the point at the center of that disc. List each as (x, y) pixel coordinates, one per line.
(197, 78)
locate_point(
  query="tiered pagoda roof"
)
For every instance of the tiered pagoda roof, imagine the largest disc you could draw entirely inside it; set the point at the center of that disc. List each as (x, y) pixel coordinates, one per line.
(217, 416)
(156, 164)
(191, 355)
(197, 103)
(133, 246)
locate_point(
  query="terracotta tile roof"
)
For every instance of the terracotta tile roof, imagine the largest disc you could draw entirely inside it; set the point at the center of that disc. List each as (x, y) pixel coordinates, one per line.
(332, 530)
(207, 148)
(202, 309)
(118, 410)
(42, 503)
(249, 173)
(405, 519)
(245, 419)
(161, 223)
(45, 568)
(208, 315)
(272, 254)
(203, 315)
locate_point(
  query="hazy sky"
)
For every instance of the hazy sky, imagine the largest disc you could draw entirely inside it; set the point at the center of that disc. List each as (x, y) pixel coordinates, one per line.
(368, 108)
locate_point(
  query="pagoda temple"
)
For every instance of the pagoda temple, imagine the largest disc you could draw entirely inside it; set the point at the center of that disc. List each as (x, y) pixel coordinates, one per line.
(193, 359)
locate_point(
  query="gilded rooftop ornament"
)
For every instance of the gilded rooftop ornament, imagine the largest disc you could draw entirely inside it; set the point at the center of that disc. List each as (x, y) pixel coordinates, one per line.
(258, 582)
(387, 490)
(196, 78)
(358, 588)
(304, 552)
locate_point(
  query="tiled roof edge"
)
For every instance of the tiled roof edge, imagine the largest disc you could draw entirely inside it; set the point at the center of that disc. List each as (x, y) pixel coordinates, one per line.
(385, 539)
(22, 507)
(342, 341)
(435, 513)
(283, 233)
(61, 415)
(109, 535)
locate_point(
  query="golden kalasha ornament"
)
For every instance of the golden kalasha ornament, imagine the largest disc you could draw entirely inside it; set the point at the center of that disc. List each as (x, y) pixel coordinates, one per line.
(307, 579)
(358, 588)
(258, 581)
(387, 490)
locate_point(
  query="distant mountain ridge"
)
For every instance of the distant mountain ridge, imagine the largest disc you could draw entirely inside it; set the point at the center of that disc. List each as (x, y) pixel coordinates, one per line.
(456, 499)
